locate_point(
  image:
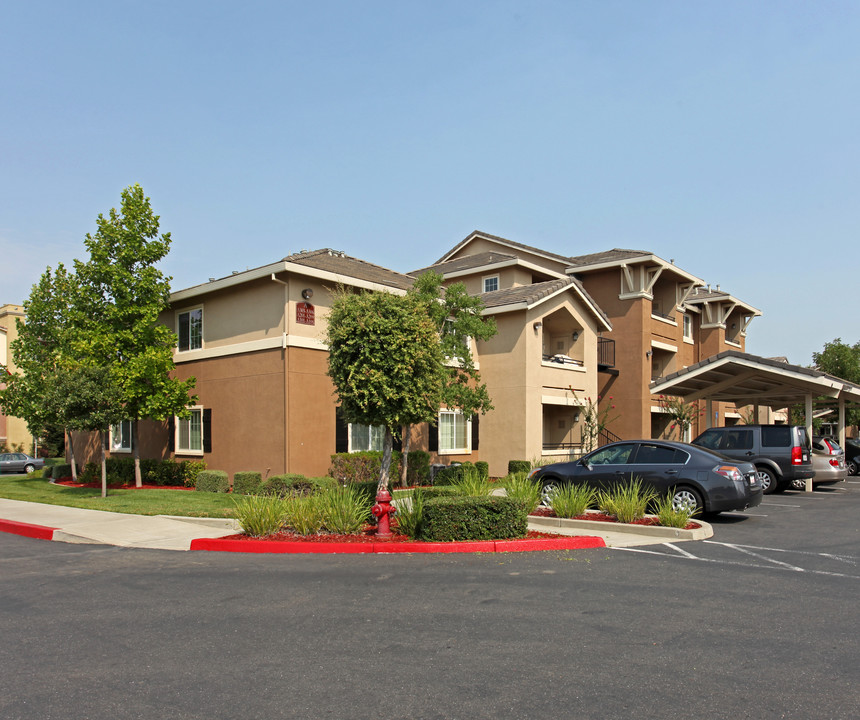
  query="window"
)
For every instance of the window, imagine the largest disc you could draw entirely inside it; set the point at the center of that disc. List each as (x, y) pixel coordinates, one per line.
(189, 328)
(612, 455)
(688, 327)
(189, 433)
(364, 438)
(454, 432)
(660, 455)
(120, 437)
(491, 283)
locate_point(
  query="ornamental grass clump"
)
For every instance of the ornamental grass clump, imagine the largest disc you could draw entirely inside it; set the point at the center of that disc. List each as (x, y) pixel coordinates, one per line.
(528, 492)
(259, 515)
(304, 514)
(570, 501)
(671, 516)
(471, 484)
(410, 514)
(345, 509)
(627, 502)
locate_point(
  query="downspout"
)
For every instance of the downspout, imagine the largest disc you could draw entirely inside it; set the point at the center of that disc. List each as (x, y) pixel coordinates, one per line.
(286, 372)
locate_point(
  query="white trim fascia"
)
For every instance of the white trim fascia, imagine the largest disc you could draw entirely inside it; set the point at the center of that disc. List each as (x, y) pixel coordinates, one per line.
(561, 400)
(732, 415)
(689, 341)
(662, 319)
(281, 341)
(514, 307)
(732, 343)
(755, 312)
(657, 345)
(657, 409)
(267, 270)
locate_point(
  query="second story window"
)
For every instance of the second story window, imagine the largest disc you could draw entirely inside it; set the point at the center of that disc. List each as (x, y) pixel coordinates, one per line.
(688, 327)
(491, 283)
(189, 328)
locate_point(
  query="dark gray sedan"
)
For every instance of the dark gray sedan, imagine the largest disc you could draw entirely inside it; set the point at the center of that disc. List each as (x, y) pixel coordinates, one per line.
(698, 478)
(19, 463)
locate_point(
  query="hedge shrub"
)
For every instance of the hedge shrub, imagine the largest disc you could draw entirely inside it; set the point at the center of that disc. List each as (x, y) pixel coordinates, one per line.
(348, 468)
(473, 518)
(212, 481)
(519, 466)
(483, 469)
(294, 484)
(247, 483)
(59, 471)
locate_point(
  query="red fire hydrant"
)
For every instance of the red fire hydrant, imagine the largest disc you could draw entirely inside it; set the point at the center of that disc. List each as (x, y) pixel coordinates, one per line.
(382, 510)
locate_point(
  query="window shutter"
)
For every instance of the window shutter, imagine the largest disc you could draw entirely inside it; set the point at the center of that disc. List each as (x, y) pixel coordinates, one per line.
(433, 445)
(475, 432)
(207, 430)
(341, 432)
(171, 434)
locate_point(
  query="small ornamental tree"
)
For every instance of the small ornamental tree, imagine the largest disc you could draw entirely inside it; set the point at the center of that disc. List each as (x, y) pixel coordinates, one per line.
(121, 296)
(682, 413)
(842, 361)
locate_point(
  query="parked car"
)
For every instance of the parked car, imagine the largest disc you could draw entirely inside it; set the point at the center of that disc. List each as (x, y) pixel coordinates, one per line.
(697, 477)
(827, 445)
(852, 456)
(829, 468)
(780, 453)
(19, 462)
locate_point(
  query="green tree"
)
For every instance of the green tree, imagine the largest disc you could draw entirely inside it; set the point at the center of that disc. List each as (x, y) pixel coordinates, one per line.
(842, 361)
(122, 293)
(394, 364)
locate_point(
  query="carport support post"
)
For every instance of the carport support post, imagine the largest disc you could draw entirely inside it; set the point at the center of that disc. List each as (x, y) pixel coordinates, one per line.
(841, 422)
(808, 487)
(709, 413)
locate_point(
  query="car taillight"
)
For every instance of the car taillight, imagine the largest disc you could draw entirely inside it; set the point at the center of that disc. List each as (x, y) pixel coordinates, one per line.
(834, 463)
(729, 471)
(797, 455)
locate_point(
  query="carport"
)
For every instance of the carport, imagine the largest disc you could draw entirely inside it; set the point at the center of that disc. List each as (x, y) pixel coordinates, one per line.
(745, 379)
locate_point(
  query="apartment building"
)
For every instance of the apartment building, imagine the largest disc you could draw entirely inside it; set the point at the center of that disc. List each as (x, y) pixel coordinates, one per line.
(13, 431)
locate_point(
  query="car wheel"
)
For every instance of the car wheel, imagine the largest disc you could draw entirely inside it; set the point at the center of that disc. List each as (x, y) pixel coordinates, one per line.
(29, 468)
(797, 484)
(688, 498)
(546, 494)
(767, 479)
(852, 467)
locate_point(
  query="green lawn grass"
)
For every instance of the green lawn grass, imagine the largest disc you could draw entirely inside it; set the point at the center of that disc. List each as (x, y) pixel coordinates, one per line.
(189, 503)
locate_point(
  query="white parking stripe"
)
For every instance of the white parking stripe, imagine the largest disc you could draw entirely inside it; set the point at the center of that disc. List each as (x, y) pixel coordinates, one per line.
(762, 557)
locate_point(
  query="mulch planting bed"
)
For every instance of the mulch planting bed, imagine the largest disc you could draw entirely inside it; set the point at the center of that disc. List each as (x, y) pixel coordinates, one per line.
(601, 517)
(69, 482)
(367, 536)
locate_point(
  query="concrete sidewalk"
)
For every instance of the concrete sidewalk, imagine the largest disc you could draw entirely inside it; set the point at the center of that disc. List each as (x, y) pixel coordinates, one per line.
(75, 525)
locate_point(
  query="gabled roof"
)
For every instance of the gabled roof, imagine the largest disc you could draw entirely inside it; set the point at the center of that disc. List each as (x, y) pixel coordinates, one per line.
(477, 234)
(741, 378)
(524, 297)
(608, 256)
(618, 257)
(470, 262)
(339, 263)
(326, 265)
(701, 296)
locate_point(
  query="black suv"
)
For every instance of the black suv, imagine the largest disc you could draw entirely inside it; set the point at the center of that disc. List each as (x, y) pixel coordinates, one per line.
(780, 453)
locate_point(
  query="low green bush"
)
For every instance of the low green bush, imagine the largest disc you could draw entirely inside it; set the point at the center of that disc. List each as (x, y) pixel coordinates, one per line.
(212, 481)
(473, 518)
(247, 483)
(528, 492)
(295, 484)
(60, 471)
(627, 502)
(259, 515)
(483, 468)
(518, 466)
(359, 467)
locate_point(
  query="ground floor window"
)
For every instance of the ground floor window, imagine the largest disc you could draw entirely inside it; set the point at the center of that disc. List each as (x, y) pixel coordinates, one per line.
(120, 437)
(189, 433)
(454, 432)
(365, 438)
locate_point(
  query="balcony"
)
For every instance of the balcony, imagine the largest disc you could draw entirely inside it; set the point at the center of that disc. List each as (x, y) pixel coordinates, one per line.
(606, 355)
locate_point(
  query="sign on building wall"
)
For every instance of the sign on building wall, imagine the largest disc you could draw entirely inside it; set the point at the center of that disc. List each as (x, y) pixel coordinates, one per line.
(305, 314)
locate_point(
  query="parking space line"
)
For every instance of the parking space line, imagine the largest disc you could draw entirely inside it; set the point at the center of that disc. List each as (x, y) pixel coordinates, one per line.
(762, 557)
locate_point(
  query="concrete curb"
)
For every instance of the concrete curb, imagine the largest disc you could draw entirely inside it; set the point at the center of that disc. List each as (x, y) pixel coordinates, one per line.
(701, 533)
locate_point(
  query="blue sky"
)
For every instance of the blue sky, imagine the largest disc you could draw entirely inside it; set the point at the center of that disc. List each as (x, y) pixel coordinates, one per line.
(724, 135)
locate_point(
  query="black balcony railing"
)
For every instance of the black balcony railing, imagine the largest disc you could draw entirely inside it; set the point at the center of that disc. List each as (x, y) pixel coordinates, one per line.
(605, 353)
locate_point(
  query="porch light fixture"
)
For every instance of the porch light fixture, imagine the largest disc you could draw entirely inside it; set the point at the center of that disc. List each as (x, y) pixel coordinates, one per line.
(575, 335)
(649, 353)
(538, 325)
(307, 293)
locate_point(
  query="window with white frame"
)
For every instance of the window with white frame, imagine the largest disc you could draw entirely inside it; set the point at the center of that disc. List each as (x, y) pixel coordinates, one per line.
(120, 437)
(688, 327)
(364, 438)
(491, 283)
(189, 329)
(189, 433)
(454, 432)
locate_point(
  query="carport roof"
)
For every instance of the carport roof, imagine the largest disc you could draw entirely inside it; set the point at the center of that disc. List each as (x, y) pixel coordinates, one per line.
(745, 379)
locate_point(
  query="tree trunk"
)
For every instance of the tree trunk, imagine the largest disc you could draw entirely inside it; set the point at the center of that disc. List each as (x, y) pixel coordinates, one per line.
(387, 445)
(404, 455)
(70, 444)
(135, 447)
(103, 439)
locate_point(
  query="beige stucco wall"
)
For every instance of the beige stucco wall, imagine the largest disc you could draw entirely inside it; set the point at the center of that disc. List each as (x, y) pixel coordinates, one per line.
(13, 430)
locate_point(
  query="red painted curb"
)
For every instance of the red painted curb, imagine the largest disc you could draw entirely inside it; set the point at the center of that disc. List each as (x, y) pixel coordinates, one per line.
(486, 546)
(39, 532)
